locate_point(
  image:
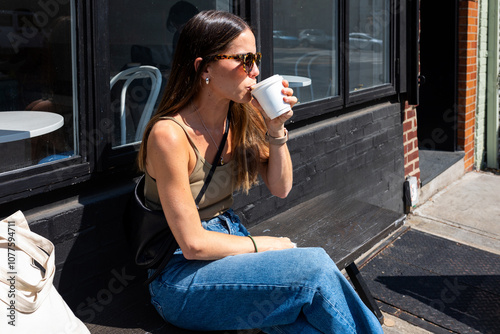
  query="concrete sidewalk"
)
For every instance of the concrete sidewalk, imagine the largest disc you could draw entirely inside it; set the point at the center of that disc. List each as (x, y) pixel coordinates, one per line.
(466, 211)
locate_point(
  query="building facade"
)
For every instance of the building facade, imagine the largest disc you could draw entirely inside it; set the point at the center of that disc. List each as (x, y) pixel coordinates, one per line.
(456, 116)
(357, 131)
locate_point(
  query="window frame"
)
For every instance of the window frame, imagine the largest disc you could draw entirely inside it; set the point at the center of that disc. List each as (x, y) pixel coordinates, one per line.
(24, 182)
(388, 89)
(344, 102)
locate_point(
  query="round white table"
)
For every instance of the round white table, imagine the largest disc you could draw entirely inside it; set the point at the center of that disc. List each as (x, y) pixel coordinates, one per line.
(296, 81)
(18, 125)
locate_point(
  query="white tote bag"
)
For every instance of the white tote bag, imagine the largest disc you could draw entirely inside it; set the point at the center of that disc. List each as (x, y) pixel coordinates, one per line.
(29, 301)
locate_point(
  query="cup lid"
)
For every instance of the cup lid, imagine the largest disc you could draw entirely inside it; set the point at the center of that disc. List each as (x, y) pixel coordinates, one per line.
(271, 79)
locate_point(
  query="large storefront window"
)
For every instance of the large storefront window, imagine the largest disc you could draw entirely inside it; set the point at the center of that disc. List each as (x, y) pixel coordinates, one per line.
(332, 48)
(369, 43)
(38, 111)
(143, 36)
(305, 39)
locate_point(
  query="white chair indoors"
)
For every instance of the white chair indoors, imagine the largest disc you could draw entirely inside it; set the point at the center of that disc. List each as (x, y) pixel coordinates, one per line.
(129, 75)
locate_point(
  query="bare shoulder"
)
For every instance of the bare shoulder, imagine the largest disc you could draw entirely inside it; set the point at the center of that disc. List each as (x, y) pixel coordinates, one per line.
(167, 147)
(166, 132)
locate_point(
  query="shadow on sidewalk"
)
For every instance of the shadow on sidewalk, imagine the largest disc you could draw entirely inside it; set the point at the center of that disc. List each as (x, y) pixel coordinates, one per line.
(453, 286)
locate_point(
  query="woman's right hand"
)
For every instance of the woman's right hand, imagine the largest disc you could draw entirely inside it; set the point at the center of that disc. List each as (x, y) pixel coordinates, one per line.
(273, 243)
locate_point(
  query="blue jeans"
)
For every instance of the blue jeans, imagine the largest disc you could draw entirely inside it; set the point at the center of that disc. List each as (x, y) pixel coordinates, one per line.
(293, 291)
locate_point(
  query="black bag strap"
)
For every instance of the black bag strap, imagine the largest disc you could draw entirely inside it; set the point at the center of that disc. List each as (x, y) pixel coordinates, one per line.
(167, 258)
(215, 163)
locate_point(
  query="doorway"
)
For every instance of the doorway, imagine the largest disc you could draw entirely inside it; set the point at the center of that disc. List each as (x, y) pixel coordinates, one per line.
(437, 110)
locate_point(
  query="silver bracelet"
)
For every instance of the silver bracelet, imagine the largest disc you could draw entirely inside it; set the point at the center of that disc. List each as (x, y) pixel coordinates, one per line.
(277, 140)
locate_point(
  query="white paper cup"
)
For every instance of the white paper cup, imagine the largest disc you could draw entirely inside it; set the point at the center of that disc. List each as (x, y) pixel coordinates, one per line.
(268, 94)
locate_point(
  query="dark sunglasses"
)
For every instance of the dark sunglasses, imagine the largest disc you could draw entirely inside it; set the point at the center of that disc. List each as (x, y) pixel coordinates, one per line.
(246, 59)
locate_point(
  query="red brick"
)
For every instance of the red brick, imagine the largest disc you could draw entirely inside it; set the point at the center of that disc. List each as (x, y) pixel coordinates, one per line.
(408, 169)
(407, 126)
(469, 147)
(469, 155)
(412, 134)
(472, 29)
(470, 108)
(408, 148)
(413, 156)
(470, 123)
(470, 100)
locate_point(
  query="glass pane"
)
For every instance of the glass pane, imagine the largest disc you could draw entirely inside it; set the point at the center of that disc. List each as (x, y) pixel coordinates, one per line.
(38, 112)
(305, 35)
(142, 36)
(369, 43)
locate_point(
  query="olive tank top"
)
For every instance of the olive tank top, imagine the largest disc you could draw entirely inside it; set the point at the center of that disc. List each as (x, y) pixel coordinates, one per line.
(219, 194)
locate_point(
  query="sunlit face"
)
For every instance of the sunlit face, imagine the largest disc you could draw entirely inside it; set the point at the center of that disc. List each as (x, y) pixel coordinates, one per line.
(228, 79)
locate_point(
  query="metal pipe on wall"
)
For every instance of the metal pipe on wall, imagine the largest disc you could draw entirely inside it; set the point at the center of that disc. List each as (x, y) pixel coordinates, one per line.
(492, 87)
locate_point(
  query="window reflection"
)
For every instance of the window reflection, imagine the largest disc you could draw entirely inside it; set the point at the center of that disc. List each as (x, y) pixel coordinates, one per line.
(36, 74)
(143, 37)
(306, 46)
(369, 43)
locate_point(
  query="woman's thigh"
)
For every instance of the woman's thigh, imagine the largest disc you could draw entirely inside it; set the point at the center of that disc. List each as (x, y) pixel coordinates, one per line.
(243, 291)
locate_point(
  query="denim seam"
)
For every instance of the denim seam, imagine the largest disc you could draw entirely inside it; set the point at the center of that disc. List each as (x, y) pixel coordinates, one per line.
(247, 285)
(239, 285)
(341, 314)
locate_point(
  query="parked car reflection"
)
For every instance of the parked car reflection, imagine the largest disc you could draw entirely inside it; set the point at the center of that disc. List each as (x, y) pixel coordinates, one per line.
(315, 37)
(362, 41)
(282, 40)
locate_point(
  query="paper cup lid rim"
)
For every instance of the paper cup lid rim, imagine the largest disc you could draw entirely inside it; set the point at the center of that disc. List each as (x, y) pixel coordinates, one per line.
(266, 82)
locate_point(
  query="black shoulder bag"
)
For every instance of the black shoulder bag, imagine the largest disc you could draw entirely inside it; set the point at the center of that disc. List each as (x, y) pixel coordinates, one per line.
(149, 235)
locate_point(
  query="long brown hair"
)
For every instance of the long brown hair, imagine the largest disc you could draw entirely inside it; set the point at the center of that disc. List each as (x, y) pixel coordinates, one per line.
(206, 34)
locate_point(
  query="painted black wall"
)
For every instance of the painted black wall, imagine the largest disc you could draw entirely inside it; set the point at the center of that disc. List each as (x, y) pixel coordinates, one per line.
(358, 155)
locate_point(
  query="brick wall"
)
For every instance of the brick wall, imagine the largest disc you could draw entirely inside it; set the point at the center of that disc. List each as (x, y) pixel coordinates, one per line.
(358, 155)
(467, 78)
(411, 156)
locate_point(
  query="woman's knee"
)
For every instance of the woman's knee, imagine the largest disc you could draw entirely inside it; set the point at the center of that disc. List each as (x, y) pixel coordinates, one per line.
(316, 256)
(315, 262)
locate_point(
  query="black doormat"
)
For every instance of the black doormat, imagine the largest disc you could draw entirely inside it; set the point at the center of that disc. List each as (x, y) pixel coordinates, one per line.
(433, 280)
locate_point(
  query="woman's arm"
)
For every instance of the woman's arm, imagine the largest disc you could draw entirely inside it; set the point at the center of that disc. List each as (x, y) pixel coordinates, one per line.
(278, 173)
(170, 159)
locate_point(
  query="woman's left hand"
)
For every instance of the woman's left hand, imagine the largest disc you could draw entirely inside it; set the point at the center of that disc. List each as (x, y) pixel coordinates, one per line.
(275, 126)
